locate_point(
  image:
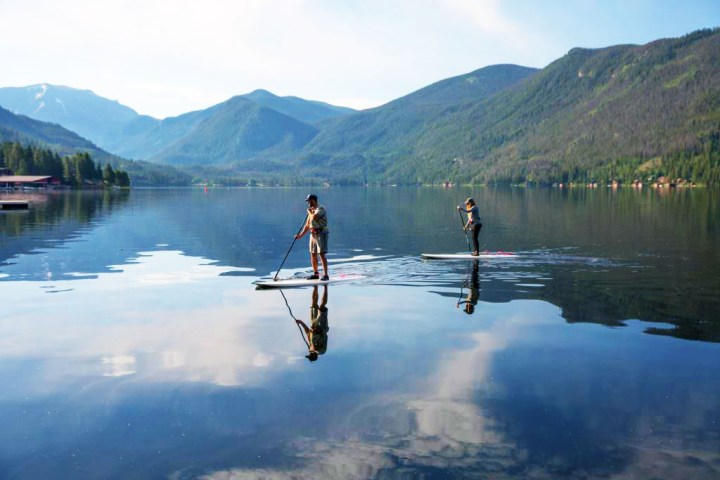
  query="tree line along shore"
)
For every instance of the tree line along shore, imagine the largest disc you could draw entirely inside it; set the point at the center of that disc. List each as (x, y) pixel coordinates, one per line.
(78, 170)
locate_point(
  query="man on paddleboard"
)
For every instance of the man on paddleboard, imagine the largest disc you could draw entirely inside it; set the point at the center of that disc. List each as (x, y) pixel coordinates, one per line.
(317, 332)
(317, 225)
(473, 224)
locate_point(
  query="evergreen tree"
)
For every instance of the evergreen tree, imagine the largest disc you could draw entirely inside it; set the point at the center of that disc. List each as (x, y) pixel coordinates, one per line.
(122, 178)
(68, 171)
(108, 174)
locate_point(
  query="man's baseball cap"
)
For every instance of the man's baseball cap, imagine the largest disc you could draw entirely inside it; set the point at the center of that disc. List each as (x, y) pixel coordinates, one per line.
(311, 197)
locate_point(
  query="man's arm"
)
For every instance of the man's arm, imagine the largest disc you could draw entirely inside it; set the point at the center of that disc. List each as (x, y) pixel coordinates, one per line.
(305, 228)
(303, 325)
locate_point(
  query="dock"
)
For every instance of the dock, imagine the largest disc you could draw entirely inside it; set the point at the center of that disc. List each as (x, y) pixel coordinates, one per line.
(14, 205)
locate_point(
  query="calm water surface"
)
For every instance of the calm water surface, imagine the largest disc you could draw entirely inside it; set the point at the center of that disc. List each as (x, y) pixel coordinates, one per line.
(134, 345)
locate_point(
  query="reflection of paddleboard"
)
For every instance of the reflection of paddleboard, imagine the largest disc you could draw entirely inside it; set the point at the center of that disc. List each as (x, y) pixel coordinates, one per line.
(302, 282)
(465, 256)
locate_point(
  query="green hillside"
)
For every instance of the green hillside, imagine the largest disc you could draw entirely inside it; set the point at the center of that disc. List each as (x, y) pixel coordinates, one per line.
(26, 131)
(368, 145)
(238, 129)
(143, 139)
(396, 127)
(619, 112)
(622, 112)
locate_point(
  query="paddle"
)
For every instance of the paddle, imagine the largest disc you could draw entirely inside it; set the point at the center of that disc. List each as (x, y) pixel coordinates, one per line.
(291, 245)
(302, 334)
(467, 239)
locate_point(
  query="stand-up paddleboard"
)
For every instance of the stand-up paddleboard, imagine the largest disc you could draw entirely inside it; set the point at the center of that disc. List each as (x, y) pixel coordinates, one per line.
(303, 282)
(467, 256)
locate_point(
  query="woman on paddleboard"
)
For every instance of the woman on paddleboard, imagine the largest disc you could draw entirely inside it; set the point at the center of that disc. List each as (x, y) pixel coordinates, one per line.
(473, 224)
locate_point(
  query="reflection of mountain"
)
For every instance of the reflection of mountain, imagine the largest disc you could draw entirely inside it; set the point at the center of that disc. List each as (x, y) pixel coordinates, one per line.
(618, 255)
(605, 294)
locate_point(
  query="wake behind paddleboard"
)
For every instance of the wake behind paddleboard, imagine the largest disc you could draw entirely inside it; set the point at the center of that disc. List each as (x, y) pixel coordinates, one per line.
(467, 256)
(302, 282)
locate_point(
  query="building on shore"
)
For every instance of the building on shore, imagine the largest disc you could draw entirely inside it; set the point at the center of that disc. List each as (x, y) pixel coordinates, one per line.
(28, 181)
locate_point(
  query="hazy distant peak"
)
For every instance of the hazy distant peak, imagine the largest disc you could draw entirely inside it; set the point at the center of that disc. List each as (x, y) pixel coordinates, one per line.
(259, 92)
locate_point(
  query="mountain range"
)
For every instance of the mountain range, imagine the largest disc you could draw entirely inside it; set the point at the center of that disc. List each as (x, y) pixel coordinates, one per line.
(266, 119)
(624, 112)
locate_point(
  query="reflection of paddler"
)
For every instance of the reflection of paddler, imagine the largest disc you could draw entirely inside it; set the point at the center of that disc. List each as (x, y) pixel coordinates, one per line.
(317, 332)
(472, 283)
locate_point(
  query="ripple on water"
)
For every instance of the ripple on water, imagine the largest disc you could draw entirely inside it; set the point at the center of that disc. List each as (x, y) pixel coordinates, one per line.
(529, 271)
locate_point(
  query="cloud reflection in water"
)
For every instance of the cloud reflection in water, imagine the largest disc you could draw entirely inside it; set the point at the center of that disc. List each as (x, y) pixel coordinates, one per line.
(164, 317)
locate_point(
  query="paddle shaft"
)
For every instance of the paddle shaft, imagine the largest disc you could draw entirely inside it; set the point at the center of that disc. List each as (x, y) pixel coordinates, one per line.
(467, 239)
(302, 334)
(291, 246)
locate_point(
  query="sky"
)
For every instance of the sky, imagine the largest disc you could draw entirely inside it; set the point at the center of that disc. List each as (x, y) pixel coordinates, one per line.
(167, 57)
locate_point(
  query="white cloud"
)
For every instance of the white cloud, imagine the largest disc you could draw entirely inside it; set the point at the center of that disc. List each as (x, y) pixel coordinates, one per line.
(488, 16)
(143, 333)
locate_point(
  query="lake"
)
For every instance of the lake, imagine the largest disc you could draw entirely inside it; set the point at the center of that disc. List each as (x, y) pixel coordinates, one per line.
(133, 343)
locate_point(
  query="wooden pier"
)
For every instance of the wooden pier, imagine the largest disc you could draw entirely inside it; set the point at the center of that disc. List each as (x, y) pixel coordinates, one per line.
(14, 205)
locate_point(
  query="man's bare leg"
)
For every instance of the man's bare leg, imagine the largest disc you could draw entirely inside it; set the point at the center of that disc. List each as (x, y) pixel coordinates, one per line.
(324, 264)
(314, 262)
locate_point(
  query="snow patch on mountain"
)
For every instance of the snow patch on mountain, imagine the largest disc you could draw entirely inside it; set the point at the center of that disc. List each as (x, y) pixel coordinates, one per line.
(42, 92)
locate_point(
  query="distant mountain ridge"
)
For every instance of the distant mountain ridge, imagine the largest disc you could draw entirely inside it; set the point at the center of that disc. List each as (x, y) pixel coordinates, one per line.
(81, 111)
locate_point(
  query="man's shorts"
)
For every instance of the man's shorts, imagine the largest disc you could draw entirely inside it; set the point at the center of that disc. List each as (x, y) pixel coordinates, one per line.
(318, 242)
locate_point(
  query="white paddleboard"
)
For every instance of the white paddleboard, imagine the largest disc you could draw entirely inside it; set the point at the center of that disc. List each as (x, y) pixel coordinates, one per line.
(302, 282)
(467, 256)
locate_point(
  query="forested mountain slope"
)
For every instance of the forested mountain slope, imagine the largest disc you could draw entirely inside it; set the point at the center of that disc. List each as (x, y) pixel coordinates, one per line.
(238, 129)
(369, 143)
(619, 112)
(601, 113)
